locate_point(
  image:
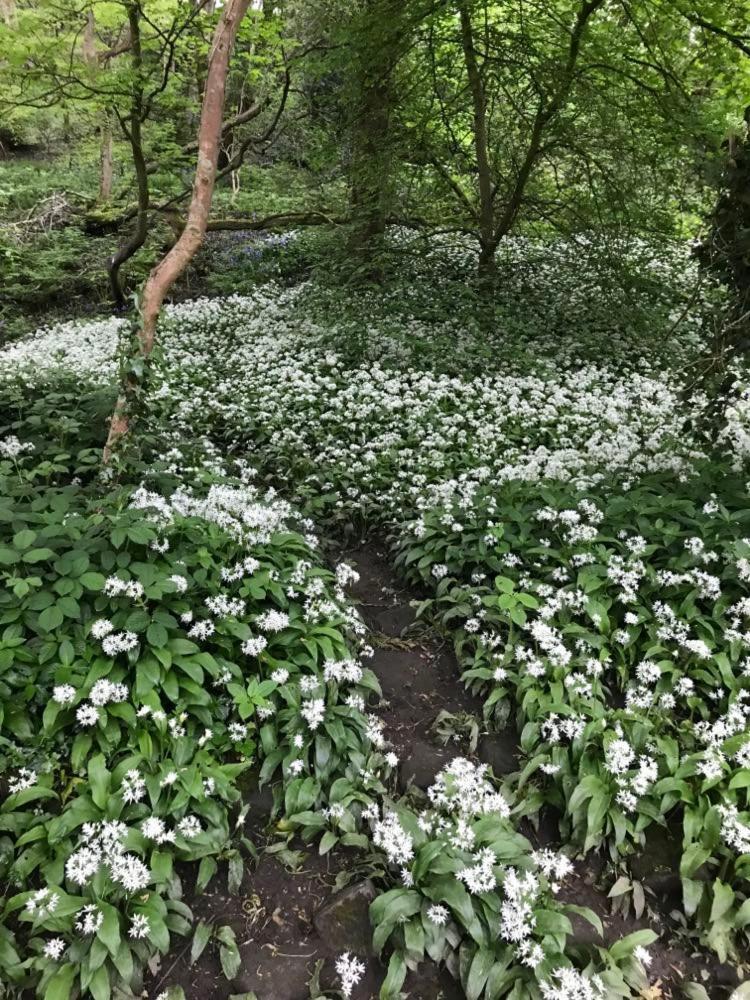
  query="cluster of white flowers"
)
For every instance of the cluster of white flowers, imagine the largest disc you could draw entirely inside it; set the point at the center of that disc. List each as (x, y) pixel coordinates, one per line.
(133, 787)
(102, 847)
(116, 642)
(342, 671)
(11, 447)
(462, 789)
(480, 875)
(734, 830)
(26, 778)
(392, 839)
(115, 587)
(350, 971)
(155, 829)
(272, 621)
(569, 984)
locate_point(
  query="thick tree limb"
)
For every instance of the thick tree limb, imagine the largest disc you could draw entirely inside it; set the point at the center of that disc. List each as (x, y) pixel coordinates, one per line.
(168, 270)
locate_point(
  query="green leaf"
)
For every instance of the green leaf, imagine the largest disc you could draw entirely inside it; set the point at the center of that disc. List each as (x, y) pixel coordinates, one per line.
(201, 937)
(24, 539)
(236, 871)
(157, 635)
(92, 581)
(692, 858)
(479, 970)
(625, 946)
(50, 618)
(38, 555)
(109, 932)
(99, 985)
(694, 991)
(587, 914)
(722, 902)
(395, 906)
(229, 956)
(99, 780)
(327, 842)
(394, 980)
(138, 620)
(59, 986)
(206, 871)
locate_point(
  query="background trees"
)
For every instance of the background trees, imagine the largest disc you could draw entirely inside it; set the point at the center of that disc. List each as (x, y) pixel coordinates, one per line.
(485, 117)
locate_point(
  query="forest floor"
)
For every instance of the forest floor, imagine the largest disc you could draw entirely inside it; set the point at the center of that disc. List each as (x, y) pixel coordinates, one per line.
(292, 920)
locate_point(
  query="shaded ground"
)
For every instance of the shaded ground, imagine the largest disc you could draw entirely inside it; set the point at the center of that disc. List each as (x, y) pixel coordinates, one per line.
(288, 923)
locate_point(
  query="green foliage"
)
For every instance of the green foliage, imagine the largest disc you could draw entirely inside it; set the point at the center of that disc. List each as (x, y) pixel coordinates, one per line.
(129, 710)
(564, 606)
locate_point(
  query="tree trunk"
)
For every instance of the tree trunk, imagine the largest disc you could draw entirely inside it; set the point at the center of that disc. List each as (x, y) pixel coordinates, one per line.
(379, 38)
(88, 44)
(134, 135)
(727, 252)
(105, 165)
(168, 270)
(481, 145)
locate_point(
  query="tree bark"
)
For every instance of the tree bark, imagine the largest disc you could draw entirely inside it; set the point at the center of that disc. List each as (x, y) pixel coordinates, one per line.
(728, 248)
(481, 145)
(379, 38)
(134, 134)
(168, 270)
(105, 165)
(89, 40)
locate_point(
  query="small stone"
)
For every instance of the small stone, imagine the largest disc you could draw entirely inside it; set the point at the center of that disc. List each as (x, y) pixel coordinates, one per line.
(422, 764)
(499, 751)
(343, 921)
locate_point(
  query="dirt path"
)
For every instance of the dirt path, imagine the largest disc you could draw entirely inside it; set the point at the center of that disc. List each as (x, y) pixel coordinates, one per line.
(291, 914)
(285, 921)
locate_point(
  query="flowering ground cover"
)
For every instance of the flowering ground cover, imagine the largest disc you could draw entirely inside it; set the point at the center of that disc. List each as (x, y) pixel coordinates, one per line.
(551, 493)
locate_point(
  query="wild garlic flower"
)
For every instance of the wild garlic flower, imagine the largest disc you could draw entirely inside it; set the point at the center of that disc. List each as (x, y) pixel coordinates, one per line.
(64, 694)
(26, 778)
(87, 715)
(438, 914)
(569, 984)
(133, 787)
(139, 926)
(313, 712)
(54, 948)
(90, 919)
(119, 642)
(350, 971)
(255, 645)
(42, 903)
(394, 841)
(272, 621)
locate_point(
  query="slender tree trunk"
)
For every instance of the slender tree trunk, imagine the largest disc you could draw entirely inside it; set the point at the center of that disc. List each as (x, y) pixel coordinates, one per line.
(727, 250)
(88, 44)
(134, 133)
(88, 48)
(105, 164)
(168, 270)
(481, 145)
